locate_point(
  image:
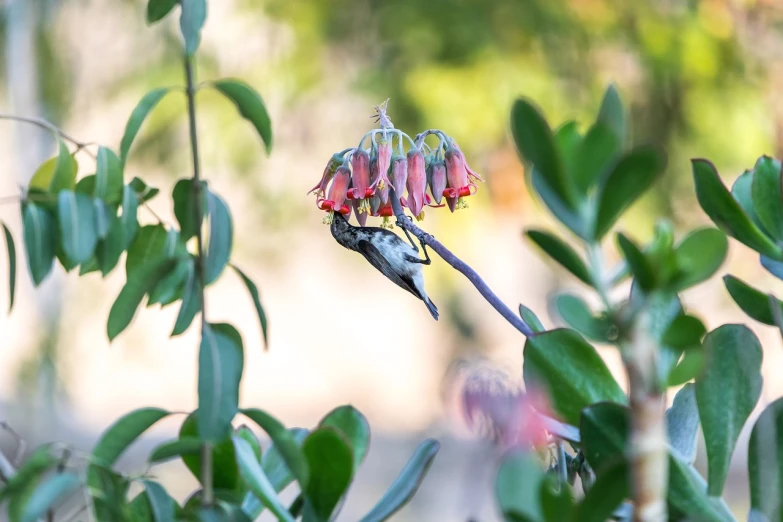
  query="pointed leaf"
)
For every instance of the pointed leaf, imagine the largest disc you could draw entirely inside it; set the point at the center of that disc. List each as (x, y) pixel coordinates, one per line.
(108, 174)
(257, 481)
(596, 155)
(726, 393)
(700, 255)
(633, 174)
(726, 213)
(517, 485)
(567, 140)
(406, 484)
(109, 250)
(330, 461)
(148, 246)
(531, 319)
(225, 472)
(184, 196)
(77, 225)
(354, 426)
(175, 448)
(285, 443)
(161, 503)
(578, 316)
(753, 302)
(137, 117)
(741, 191)
(124, 432)
(561, 252)
(39, 240)
(130, 224)
(172, 286)
(765, 462)
(143, 191)
(567, 216)
(765, 192)
(48, 494)
(641, 268)
(250, 106)
(612, 114)
(221, 359)
(220, 237)
(682, 423)
(191, 302)
(9, 243)
(571, 369)
(158, 9)
(194, 14)
(56, 174)
(253, 290)
(276, 465)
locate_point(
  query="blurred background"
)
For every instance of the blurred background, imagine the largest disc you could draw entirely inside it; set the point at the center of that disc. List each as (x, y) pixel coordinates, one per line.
(702, 78)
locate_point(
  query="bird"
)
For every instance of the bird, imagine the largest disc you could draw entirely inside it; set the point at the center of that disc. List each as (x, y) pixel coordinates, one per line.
(388, 253)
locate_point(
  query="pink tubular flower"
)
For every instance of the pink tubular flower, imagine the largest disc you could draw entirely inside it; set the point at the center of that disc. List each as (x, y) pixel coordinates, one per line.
(438, 181)
(459, 185)
(399, 174)
(360, 163)
(331, 167)
(417, 182)
(384, 157)
(335, 200)
(380, 183)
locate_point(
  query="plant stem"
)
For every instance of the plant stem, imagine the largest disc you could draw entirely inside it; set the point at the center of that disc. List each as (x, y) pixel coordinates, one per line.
(427, 239)
(206, 450)
(40, 122)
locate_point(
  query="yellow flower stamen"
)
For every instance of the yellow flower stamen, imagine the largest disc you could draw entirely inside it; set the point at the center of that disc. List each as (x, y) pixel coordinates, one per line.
(329, 218)
(364, 206)
(381, 185)
(461, 203)
(387, 223)
(420, 217)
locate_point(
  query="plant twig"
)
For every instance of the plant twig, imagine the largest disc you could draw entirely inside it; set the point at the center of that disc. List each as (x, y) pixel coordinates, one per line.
(42, 123)
(206, 449)
(462, 267)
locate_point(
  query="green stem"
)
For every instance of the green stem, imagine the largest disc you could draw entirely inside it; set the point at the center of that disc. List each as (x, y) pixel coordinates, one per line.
(206, 450)
(597, 275)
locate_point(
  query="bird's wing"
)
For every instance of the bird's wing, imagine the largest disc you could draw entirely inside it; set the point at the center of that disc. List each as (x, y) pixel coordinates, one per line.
(377, 260)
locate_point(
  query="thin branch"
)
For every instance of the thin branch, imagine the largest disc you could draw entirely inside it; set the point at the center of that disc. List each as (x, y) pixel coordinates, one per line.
(42, 123)
(406, 223)
(206, 450)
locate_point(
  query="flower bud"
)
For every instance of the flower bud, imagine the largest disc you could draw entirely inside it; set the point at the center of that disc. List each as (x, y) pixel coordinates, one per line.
(455, 169)
(384, 155)
(360, 164)
(438, 181)
(399, 173)
(417, 181)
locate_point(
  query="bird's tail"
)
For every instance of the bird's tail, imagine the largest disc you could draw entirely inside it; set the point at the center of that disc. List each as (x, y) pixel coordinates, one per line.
(431, 307)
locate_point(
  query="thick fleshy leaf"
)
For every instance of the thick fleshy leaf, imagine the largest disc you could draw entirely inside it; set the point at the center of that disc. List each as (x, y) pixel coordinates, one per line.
(612, 114)
(610, 488)
(640, 266)
(139, 284)
(124, 432)
(175, 448)
(567, 140)
(250, 106)
(194, 14)
(221, 234)
(284, 442)
(330, 460)
(726, 392)
(518, 484)
(576, 314)
(225, 473)
(571, 369)
(568, 217)
(752, 301)
(596, 156)
(536, 145)
(726, 213)
(108, 174)
(11, 247)
(557, 501)
(690, 367)
(684, 331)
(48, 494)
(682, 423)
(76, 215)
(184, 196)
(773, 267)
(765, 192)
(700, 255)
(631, 176)
(561, 252)
(254, 294)
(765, 462)
(191, 301)
(253, 475)
(221, 359)
(406, 484)
(56, 174)
(531, 319)
(137, 117)
(161, 503)
(40, 238)
(354, 426)
(158, 9)
(741, 190)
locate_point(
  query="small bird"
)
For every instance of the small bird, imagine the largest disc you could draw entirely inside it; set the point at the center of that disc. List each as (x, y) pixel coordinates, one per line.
(387, 252)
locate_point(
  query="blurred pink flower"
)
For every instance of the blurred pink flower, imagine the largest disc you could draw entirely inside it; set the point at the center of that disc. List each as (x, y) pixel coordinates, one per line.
(335, 200)
(438, 181)
(399, 175)
(417, 182)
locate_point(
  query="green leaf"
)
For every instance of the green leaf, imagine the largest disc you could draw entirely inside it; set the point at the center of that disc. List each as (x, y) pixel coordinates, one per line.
(531, 319)
(109, 250)
(753, 302)
(578, 316)
(700, 255)
(77, 225)
(607, 493)
(143, 191)
(175, 448)
(285, 443)
(253, 290)
(191, 302)
(726, 393)
(103, 214)
(56, 174)
(406, 484)
(250, 106)
(9, 243)
(330, 460)
(567, 141)
(561, 252)
(518, 484)
(596, 155)
(641, 267)
(275, 464)
(39, 240)
(220, 237)
(108, 174)
(221, 359)
(148, 246)
(690, 367)
(765, 461)
(124, 432)
(184, 196)
(682, 423)
(108, 491)
(139, 284)
(741, 191)
(250, 437)
(571, 369)
(353, 425)
(137, 117)
(172, 286)
(194, 14)
(557, 502)
(130, 224)
(257, 481)
(158, 9)
(48, 494)
(535, 143)
(225, 473)
(684, 331)
(567, 216)
(633, 174)
(765, 192)
(773, 267)
(726, 213)
(612, 114)
(36, 464)
(161, 504)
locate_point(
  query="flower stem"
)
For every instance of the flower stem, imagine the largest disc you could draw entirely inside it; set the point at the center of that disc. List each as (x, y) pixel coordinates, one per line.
(206, 450)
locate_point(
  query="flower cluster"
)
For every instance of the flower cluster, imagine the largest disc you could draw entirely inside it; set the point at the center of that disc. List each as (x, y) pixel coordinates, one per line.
(361, 180)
